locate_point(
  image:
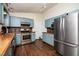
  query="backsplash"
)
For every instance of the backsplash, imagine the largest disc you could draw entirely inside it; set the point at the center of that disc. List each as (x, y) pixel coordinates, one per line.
(50, 30)
(14, 30)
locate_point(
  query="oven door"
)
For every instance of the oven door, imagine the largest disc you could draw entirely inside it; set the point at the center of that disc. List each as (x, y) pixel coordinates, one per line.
(26, 36)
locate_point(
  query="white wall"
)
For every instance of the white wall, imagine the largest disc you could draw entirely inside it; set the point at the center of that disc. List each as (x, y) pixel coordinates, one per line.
(60, 9)
(38, 22)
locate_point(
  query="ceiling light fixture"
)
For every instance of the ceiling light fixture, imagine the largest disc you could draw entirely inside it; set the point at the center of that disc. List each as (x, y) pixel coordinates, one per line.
(43, 7)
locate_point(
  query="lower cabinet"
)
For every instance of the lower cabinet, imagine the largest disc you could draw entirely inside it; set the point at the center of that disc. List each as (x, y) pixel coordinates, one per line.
(33, 36)
(18, 39)
(48, 38)
(10, 51)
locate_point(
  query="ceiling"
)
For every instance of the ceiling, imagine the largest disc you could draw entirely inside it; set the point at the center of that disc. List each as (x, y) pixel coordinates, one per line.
(30, 7)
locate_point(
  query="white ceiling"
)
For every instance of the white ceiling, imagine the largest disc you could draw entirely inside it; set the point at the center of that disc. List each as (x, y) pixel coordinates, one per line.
(30, 7)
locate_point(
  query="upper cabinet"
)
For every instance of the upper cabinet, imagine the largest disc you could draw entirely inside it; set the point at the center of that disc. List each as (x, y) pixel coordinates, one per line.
(1, 14)
(6, 20)
(48, 22)
(31, 23)
(15, 21)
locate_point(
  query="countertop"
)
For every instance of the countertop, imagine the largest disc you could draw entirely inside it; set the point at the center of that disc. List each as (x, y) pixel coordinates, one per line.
(5, 41)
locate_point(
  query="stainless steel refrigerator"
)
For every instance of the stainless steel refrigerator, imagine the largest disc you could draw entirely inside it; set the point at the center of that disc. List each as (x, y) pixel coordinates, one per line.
(66, 34)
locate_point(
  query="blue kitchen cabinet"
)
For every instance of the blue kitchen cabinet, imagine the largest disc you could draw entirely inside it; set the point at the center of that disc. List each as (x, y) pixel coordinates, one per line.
(1, 14)
(18, 39)
(6, 20)
(44, 37)
(15, 21)
(48, 38)
(51, 39)
(48, 22)
(33, 36)
(10, 51)
(31, 23)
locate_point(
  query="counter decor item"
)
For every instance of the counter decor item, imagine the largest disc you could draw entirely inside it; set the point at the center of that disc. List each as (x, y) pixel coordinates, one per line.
(4, 30)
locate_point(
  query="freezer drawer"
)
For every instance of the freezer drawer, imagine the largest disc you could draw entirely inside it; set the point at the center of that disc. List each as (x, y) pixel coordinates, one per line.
(70, 50)
(59, 47)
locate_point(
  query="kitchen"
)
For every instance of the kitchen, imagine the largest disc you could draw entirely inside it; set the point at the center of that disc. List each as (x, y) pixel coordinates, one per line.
(30, 29)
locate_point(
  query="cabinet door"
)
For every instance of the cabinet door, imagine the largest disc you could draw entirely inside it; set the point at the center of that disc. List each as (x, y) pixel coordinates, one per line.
(18, 39)
(48, 38)
(1, 13)
(9, 51)
(6, 20)
(52, 39)
(48, 22)
(31, 23)
(33, 36)
(44, 37)
(15, 21)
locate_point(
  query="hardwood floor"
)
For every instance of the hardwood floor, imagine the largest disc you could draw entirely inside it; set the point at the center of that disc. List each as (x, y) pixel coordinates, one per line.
(38, 48)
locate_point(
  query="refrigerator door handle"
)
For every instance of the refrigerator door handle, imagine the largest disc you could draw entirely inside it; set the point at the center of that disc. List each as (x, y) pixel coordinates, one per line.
(71, 45)
(63, 27)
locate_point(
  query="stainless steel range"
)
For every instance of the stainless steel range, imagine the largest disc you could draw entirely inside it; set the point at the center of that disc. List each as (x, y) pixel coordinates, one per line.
(26, 33)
